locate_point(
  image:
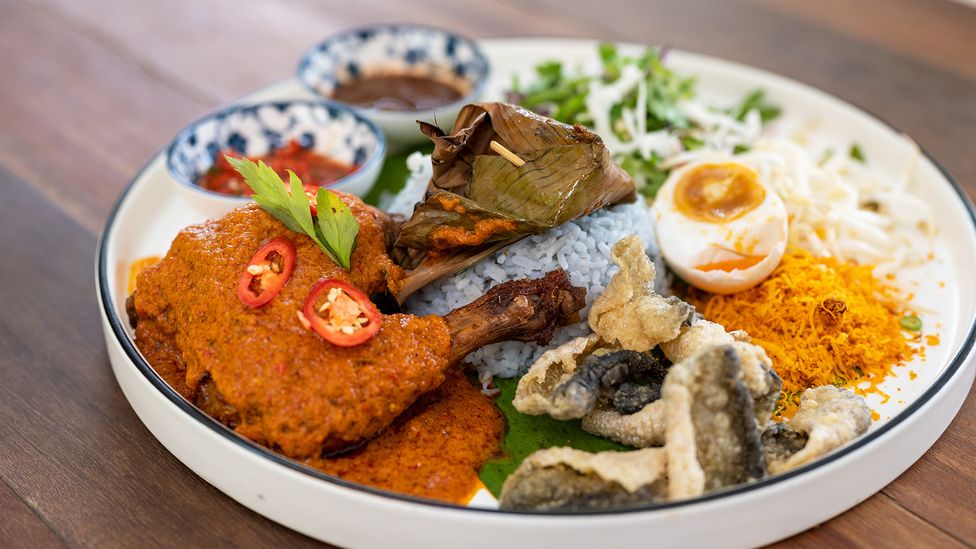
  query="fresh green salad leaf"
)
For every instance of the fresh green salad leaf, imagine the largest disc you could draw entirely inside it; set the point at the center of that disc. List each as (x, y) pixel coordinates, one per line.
(611, 59)
(691, 142)
(561, 94)
(563, 97)
(664, 90)
(857, 154)
(526, 434)
(335, 228)
(649, 174)
(756, 100)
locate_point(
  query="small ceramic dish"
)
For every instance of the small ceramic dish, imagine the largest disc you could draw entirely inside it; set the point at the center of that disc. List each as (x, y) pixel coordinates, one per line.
(330, 129)
(410, 50)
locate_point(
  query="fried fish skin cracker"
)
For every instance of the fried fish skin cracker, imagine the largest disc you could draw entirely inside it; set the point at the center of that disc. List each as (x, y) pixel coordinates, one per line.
(829, 417)
(761, 379)
(694, 336)
(629, 314)
(642, 429)
(565, 478)
(712, 438)
(533, 395)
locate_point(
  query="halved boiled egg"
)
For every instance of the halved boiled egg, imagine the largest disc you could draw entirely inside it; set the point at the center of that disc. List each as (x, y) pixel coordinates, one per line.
(720, 229)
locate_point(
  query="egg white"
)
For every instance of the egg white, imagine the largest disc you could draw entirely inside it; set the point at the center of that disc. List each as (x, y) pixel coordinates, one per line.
(687, 244)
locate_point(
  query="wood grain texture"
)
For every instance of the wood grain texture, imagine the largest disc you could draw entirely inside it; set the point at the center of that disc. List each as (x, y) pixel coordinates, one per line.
(877, 522)
(941, 487)
(188, 54)
(19, 526)
(79, 118)
(91, 89)
(941, 37)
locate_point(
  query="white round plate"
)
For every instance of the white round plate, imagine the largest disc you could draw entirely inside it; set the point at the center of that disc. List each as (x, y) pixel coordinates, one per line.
(149, 214)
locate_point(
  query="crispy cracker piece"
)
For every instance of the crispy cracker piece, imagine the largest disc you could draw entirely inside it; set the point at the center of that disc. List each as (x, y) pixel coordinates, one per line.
(565, 478)
(780, 442)
(830, 417)
(642, 384)
(712, 439)
(641, 430)
(628, 314)
(595, 376)
(763, 382)
(556, 366)
(698, 334)
(646, 428)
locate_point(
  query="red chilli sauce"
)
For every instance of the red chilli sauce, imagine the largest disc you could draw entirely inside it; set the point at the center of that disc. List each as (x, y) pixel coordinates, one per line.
(311, 167)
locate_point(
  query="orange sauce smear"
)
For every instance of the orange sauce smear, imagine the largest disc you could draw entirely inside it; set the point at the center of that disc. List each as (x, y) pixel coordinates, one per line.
(446, 236)
(730, 265)
(137, 267)
(433, 450)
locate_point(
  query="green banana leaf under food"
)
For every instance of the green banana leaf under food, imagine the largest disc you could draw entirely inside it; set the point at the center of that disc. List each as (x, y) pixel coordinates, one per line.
(478, 201)
(525, 434)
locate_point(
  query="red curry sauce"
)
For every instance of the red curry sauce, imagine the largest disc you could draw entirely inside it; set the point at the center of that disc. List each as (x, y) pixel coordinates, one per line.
(433, 450)
(295, 397)
(311, 167)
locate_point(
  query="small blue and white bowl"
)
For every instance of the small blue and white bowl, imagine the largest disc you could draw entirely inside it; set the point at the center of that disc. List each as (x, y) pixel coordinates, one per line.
(330, 129)
(398, 49)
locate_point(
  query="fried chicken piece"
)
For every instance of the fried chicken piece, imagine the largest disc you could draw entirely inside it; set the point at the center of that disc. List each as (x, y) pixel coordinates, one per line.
(261, 372)
(455, 420)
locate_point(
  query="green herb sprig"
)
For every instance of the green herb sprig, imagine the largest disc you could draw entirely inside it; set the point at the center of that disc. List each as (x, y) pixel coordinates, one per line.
(756, 101)
(561, 93)
(335, 228)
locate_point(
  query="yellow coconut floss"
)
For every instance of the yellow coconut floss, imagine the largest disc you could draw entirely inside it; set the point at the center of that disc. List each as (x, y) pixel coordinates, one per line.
(822, 321)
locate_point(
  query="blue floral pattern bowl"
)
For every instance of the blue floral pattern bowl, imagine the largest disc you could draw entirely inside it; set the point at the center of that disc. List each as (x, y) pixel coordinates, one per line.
(398, 49)
(330, 129)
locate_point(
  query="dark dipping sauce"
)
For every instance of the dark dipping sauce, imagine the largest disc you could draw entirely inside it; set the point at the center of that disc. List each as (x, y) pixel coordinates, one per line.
(396, 92)
(311, 167)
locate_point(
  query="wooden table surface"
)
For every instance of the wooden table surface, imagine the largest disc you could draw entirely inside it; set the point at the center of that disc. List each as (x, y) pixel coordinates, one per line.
(89, 90)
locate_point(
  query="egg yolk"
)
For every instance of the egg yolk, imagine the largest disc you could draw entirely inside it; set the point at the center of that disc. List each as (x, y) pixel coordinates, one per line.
(718, 193)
